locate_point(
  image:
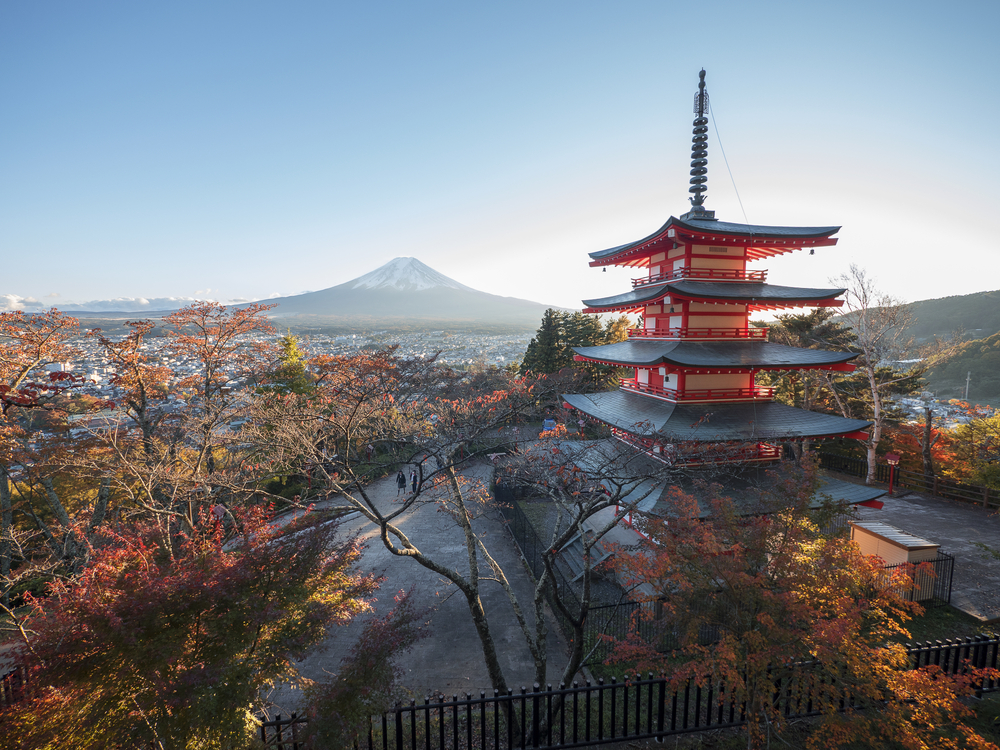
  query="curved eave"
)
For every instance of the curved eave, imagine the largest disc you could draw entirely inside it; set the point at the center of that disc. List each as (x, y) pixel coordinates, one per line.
(759, 296)
(719, 422)
(729, 355)
(761, 241)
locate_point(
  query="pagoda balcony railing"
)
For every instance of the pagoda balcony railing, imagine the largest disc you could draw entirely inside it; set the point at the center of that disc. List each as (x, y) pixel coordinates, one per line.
(699, 394)
(700, 454)
(711, 274)
(699, 333)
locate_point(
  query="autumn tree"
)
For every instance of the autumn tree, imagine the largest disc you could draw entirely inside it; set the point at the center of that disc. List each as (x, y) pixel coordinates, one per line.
(170, 646)
(143, 385)
(589, 487)
(30, 456)
(226, 350)
(751, 593)
(976, 446)
(423, 416)
(878, 322)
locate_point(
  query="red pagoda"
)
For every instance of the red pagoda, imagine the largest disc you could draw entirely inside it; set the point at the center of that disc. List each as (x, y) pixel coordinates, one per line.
(693, 397)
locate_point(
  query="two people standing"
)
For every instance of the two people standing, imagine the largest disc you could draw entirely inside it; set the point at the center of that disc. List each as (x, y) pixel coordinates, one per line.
(401, 482)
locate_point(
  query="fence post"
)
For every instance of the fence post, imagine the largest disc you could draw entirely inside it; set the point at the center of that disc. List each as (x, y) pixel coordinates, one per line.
(534, 715)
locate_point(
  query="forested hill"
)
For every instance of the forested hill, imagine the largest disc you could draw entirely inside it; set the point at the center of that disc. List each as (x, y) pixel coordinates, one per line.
(978, 360)
(976, 315)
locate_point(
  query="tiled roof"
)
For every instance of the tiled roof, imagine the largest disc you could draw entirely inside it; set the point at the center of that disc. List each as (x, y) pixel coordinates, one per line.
(716, 422)
(701, 226)
(636, 353)
(715, 290)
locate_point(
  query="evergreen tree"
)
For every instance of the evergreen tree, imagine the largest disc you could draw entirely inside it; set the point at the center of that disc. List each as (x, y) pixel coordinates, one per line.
(290, 375)
(546, 352)
(551, 350)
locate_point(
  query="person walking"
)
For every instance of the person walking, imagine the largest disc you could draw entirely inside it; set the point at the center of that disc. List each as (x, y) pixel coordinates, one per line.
(413, 480)
(400, 483)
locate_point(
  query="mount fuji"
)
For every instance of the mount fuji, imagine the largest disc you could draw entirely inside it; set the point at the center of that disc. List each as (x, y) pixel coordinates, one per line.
(409, 293)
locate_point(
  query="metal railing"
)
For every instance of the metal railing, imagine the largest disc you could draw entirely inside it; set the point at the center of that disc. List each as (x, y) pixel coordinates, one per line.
(934, 484)
(710, 274)
(699, 333)
(698, 394)
(636, 708)
(931, 580)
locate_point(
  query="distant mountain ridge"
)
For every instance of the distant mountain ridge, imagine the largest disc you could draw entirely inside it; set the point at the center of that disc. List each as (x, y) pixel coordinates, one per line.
(976, 315)
(404, 293)
(407, 292)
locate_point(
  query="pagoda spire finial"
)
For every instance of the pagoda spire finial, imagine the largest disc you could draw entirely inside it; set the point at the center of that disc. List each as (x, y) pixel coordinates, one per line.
(699, 145)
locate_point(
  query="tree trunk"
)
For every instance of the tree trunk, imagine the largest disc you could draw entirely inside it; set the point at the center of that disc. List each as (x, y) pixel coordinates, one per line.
(6, 532)
(877, 419)
(925, 448)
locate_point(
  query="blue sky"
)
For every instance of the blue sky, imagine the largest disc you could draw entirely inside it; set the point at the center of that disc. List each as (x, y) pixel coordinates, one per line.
(242, 150)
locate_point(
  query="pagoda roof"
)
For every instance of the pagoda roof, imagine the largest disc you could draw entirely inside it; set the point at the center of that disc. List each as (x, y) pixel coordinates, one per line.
(743, 486)
(716, 422)
(714, 355)
(741, 482)
(762, 240)
(759, 295)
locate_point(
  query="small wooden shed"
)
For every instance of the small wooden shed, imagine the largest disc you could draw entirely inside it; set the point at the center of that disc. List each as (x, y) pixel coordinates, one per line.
(893, 545)
(896, 546)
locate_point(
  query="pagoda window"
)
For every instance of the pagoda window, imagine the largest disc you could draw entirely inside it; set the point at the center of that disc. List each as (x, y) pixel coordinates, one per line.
(650, 324)
(643, 376)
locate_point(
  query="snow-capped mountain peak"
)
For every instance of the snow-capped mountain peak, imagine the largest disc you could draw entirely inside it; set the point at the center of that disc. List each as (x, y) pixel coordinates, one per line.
(405, 273)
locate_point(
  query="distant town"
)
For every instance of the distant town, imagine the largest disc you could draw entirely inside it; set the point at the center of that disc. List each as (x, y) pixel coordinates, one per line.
(458, 350)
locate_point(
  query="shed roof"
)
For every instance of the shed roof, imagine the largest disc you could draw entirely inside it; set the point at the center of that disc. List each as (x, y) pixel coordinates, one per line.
(894, 536)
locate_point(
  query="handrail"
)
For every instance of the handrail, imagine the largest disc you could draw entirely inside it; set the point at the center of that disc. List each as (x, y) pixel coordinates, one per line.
(699, 333)
(698, 394)
(713, 274)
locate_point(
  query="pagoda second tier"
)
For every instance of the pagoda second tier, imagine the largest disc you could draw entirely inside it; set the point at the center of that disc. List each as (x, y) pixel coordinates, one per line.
(702, 235)
(692, 371)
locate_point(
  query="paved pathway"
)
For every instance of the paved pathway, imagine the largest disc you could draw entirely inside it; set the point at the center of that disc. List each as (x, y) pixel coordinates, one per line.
(451, 659)
(956, 526)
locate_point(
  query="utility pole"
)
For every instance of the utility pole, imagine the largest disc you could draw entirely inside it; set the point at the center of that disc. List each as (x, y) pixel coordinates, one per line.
(967, 379)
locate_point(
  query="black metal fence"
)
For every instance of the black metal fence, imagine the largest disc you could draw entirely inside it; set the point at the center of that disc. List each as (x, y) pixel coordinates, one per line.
(605, 619)
(636, 708)
(931, 580)
(856, 467)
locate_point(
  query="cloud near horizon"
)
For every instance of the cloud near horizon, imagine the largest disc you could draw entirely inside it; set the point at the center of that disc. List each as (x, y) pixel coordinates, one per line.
(11, 302)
